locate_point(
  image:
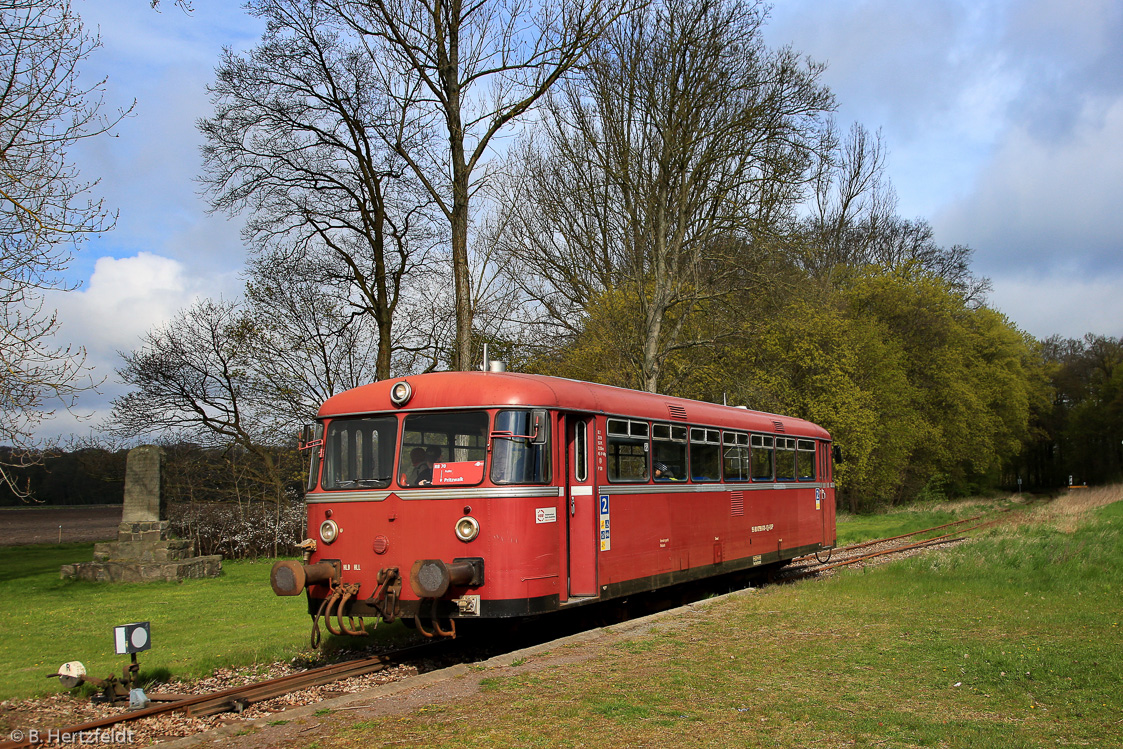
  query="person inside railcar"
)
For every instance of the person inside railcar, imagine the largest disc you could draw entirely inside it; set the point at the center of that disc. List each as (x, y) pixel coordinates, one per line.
(663, 472)
(421, 474)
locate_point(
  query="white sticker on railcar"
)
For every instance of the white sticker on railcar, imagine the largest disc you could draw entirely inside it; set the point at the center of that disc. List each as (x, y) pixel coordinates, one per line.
(605, 531)
(546, 515)
(818, 499)
(763, 528)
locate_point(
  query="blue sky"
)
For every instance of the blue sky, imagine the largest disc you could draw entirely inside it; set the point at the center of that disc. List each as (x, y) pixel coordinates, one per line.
(1003, 120)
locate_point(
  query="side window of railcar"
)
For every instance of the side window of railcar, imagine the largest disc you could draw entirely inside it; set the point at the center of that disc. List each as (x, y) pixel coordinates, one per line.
(762, 457)
(359, 453)
(705, 454)
(735, 456)
(314, 463)
(627, 450)
(443, 449)
(805, 460)
(520, 448)
(785, 459)
(668, 452)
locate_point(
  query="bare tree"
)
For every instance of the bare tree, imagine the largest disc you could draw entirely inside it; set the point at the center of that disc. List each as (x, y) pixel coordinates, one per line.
(851, 203)
(295, 141)
(197, 379)
(659, 171)
(46, 209)
(461, 73)
(184, 5)
(194, 376)
(853, 222)
(308, 342)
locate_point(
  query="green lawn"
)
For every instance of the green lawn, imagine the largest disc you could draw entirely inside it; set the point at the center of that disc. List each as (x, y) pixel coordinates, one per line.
(1010, 641)
(197, 625)
(1013, 640)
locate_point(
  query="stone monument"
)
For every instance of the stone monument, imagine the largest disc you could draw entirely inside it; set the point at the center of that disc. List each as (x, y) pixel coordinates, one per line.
(143, 552)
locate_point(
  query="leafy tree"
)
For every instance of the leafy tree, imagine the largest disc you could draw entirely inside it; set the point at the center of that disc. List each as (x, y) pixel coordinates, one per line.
(916, 385)
(46, 209)
(803, 352)
(1080, 432)
(969, 368)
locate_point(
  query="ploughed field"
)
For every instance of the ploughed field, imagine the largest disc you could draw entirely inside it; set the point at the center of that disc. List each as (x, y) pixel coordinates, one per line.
(20, 526)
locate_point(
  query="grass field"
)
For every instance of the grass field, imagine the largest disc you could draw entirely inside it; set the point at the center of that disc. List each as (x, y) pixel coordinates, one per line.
(1012, 640)
(197, 625)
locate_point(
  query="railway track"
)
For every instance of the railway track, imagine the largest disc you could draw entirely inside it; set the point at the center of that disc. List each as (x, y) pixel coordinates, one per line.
(861, 552)
(238, 699)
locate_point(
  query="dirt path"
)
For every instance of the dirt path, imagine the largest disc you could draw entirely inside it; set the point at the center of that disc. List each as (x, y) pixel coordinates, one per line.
(20, 526)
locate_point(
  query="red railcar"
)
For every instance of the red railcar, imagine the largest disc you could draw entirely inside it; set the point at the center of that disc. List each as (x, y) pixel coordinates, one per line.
(488, 494)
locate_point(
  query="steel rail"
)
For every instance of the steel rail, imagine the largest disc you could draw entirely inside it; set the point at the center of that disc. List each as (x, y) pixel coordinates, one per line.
(864, 544)
(895, 550)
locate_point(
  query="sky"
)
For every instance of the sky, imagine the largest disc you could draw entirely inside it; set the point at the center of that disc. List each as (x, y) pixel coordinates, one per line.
(1003, 120)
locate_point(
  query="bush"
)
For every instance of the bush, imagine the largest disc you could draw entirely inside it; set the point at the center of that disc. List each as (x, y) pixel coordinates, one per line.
(246, 530)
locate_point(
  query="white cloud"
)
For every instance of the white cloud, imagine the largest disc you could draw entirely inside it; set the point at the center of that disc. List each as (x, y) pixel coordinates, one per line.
(1049, 204)
(124, 298)
(1060, 304)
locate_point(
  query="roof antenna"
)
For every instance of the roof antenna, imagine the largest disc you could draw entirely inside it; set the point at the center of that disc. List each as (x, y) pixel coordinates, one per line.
(487, 363)
(725, 399)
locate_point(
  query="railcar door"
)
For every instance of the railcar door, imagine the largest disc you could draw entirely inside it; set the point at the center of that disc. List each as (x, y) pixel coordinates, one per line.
(581, 515)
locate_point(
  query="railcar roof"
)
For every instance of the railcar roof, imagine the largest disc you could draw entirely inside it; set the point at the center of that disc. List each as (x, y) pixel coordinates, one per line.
(438, 390)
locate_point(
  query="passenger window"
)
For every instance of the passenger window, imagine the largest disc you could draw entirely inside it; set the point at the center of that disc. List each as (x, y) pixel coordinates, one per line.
(316, 434)
(668, 446)
(785, 459)
(359, 453)
(735, 456)
(805, 460)
(705, 454)
(627, 450)
(762, 457)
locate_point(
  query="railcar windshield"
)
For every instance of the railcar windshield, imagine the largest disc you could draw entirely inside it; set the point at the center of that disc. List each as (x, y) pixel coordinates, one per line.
(359, 453)
(443, 449)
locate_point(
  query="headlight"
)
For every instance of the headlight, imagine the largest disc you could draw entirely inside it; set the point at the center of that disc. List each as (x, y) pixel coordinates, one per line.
(328, 531)
(401, 393)
(467, 528)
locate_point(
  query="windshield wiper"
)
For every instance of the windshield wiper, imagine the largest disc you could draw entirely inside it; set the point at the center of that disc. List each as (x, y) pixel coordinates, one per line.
(364, 483)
